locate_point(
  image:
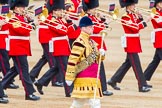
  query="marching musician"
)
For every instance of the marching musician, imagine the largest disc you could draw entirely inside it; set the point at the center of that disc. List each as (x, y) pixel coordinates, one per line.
(42, 31)
(90, 6)
(4, 58)
(156, 39)
(59, 47)
(72, 32)
(3, 35)
(82, 68)
(132, 23)
(19, 47)
(43, 38)
(73, 6)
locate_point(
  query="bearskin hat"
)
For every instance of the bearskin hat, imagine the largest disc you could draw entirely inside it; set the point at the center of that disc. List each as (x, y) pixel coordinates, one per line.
(55, 4)
(124, 3)
(157, 1)
(89, 4)
(3, 1)
(18, 3)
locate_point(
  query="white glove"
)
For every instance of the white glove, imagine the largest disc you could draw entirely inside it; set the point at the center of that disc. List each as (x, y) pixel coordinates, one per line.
(102, 52)
(69, 83)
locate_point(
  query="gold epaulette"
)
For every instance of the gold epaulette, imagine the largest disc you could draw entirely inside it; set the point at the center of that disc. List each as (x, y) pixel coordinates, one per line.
(86, 14)
(16, 24)
(156, 13)
(126, 15)
(14, 18)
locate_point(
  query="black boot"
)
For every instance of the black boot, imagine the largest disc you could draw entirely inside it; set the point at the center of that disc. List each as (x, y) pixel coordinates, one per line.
(113, 84)
(107, 93)
(39, 87)
(12, 86)
(58, 84)
(32, 97)
(3, 100)
(144, 89)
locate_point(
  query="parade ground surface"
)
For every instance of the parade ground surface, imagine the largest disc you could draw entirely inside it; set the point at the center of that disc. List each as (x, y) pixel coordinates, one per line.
(127, 97)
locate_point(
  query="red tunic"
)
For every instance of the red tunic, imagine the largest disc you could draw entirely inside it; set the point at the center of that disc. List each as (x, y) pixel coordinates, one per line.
(157, 24)
(99, 26)
(75, 4)
(60, 43)
(19, 42)
(3, 35)
(132, 41)
(73, 32)
(44, 33)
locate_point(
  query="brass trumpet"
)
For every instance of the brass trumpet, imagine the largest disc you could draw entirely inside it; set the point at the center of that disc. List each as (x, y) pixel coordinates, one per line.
(8, 17)
(74, 15)
(71, 14)
(147, 12)
(43, 17)
(114, 16)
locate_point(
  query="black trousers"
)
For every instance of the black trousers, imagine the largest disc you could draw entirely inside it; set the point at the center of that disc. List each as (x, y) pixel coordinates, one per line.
(35, 71)
(103, 77)
(153, 65)
(60, 63)
(4, 61)
(132, 60)
(1, 90)
(8, 78)
(58, 78)
(21, 67)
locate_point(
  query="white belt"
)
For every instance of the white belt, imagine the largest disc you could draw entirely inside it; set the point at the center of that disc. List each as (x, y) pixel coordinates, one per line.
(4, 32)
(131, 35)
(153, 34)
(95, 35)
(51, 48)
(43, 26)
(158, 29)
(19, 37)
(60, 38)
(14, 37)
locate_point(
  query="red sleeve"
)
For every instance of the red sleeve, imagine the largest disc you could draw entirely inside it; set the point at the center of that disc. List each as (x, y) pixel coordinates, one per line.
(71, 29)
(20, 29)
(127, 22)
(97, 28)
(141, 25)
(58, 28)
(156, 20)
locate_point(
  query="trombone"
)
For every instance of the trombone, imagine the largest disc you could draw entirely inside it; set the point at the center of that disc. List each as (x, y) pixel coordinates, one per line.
(114, 16)
(74, 15)
(71, 14)
(43, 17)
(8, 16)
